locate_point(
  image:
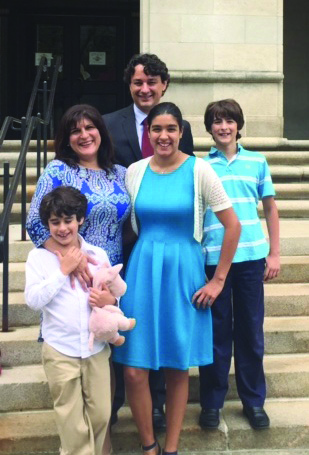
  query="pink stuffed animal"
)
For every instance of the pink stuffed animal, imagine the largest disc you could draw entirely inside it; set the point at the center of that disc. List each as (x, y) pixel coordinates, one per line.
(105, 322)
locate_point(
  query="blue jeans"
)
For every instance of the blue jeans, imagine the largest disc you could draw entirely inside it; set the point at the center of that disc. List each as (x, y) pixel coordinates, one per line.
(238, 316)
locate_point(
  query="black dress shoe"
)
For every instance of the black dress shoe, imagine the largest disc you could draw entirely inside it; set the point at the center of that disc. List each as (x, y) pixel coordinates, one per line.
(257, 417)
(158, 419)
(209, 418)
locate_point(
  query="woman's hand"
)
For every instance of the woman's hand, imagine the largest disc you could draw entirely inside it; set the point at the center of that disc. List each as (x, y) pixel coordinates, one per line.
(82, 273)
(206, 296)
(70, 260)
(102, 297)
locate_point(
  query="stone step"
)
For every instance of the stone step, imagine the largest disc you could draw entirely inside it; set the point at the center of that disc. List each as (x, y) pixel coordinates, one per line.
(15, 217)
(31, 174)
(280, 300)
(292, 164)
(283, 335)
(19, 313)
(287, 375)
(16, 276)
(297, 209)
(277, 157)
(11, 145)
(276, 149)
(294, 269)
(283, 299)
(29, 193)
(294, 236)
(285, 191)
(25, 387)
(25, 432)
(287, 158)
(293, 172)
(294, 239)
(298, 191)
(19, 346)
(31, 158)
(290, 208)
(286, 335)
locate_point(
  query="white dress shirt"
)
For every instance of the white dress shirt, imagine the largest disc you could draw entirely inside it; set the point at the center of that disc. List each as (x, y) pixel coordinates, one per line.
(139, 118)
(65, 310)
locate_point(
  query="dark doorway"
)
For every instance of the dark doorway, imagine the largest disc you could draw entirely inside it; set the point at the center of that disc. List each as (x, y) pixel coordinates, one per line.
(296, 69)
(94, 44)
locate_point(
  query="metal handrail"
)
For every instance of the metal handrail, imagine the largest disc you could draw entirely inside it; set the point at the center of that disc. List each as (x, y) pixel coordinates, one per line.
(4, 221)
(27, 126)
(41, 67)
(8, 121)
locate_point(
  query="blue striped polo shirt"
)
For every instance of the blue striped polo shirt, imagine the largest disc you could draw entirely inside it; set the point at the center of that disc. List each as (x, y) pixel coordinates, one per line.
(246, 179)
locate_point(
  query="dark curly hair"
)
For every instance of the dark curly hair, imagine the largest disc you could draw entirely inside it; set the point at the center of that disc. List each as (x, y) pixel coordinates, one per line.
(70, 119)
(63, 200)
(153, 66)
(228, 108)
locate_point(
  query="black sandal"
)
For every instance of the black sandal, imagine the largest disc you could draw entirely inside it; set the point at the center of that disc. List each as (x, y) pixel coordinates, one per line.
(152, 446)
(169, 453)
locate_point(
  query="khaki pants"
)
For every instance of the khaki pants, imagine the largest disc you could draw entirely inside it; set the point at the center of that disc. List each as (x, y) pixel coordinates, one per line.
(80, 389)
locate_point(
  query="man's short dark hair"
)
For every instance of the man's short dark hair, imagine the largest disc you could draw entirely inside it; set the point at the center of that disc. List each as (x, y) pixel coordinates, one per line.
(63, 200)
(228, 108)
(153, 66)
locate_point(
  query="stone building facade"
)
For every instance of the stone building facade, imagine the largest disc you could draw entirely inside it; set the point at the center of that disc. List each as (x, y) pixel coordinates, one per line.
(221, 49)
(253, 51)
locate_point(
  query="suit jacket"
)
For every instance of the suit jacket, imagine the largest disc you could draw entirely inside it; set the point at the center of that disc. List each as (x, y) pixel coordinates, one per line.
(122, 128)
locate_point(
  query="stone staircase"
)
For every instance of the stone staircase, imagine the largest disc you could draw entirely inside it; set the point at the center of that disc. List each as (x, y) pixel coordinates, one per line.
(26, 418)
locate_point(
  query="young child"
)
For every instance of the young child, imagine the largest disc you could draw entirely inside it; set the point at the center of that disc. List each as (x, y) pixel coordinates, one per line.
(238, 312)
(79, 380)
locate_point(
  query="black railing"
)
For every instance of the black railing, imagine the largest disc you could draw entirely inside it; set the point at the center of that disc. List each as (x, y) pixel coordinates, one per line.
(27, 126)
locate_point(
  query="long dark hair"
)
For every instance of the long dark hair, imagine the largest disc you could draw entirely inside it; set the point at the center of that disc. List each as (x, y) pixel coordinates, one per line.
(165, 108)
(71, 117)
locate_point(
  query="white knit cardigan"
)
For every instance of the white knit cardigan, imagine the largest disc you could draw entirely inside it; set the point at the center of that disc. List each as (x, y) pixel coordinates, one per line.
(208, 190)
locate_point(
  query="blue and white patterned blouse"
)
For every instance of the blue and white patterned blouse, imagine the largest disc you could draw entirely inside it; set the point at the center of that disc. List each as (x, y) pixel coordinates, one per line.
(108, 204)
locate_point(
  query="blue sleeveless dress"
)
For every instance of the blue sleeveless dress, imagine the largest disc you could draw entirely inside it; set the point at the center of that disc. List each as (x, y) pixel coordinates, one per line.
(165, 269)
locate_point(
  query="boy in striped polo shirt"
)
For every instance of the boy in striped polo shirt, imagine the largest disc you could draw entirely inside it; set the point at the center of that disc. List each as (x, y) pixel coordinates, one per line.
(238, 312)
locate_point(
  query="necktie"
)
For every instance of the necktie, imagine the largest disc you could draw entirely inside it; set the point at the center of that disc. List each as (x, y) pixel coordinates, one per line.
(147, 149)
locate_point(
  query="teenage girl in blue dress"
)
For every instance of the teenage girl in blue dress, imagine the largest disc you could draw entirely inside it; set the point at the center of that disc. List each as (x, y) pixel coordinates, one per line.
(165, 275)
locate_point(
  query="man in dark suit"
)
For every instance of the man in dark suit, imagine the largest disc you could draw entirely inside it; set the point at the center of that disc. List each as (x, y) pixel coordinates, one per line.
(148, 80)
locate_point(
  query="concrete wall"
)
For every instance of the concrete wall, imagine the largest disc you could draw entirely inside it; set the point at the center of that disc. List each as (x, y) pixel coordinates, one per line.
(216, 49)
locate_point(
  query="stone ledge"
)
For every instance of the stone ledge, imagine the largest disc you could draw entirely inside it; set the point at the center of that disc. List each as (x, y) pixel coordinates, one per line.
(226, 76)
(34, 432)
(25, 387)
(257, 143)
(200, 143)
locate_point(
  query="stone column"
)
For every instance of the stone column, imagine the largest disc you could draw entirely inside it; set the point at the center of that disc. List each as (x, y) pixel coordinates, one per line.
(219, 49)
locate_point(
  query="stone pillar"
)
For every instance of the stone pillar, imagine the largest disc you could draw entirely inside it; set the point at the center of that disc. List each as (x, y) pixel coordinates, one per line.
(219, 49)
